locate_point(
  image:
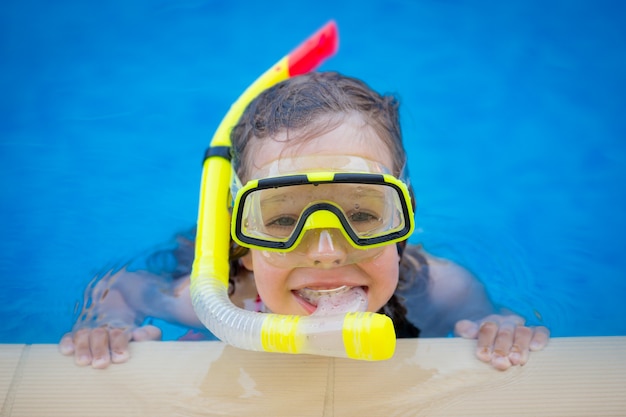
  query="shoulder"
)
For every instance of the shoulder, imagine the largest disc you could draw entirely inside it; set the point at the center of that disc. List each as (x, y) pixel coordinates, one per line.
(450, 282)
(444, 278)
(420, 265)
(446, 269)
(439, 292)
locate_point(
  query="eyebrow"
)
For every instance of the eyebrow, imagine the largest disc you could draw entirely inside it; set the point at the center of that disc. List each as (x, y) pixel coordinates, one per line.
(276, 198)
(367, 191)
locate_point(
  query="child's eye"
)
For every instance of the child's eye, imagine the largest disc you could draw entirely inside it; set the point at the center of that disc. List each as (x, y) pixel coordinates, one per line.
(362, 216)
(282, 221)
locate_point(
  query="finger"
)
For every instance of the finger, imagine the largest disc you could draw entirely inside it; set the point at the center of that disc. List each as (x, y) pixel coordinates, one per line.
(495, 318)
(514, 319)
(99, 343)
(118, 341)
(147, 332)
(486, 337)
(521, 343)
(82, 353)
(467, 329)
(66, 345)
(540, 338)
(502, 346)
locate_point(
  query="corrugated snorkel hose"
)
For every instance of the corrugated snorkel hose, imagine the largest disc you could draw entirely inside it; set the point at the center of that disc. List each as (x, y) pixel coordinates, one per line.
(358, 335)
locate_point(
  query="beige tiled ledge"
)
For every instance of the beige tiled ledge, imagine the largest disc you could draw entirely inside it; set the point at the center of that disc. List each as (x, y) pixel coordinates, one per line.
(433, 377)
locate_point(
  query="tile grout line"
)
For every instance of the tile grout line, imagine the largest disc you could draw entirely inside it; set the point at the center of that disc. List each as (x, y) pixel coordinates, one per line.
(9, 399)
(329, 397)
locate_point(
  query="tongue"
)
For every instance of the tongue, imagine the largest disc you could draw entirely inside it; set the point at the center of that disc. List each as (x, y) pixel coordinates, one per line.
(353, 299)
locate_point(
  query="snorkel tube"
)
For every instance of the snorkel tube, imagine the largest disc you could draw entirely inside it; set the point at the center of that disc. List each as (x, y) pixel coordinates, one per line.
(357, 335)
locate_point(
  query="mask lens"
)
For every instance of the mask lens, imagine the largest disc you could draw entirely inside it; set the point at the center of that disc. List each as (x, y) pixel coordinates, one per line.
(275, 214)
(326, 248)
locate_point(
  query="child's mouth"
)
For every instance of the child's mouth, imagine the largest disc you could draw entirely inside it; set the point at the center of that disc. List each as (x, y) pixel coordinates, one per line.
(313, 296)
(334, 300)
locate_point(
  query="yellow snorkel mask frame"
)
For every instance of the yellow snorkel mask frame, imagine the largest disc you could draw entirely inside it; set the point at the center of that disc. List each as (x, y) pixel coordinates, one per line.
(358, 335)
(370, 210)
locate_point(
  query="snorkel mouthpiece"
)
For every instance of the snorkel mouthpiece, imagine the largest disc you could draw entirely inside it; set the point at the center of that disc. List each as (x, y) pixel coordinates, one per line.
(335, 328)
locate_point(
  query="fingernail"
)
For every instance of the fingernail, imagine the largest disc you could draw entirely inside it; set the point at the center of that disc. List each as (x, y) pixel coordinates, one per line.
(534, 345)
(515, 357)
(483, 354)
(501, 362)
(83, 360)
(99, 362)
(66, 350)
(118, 357)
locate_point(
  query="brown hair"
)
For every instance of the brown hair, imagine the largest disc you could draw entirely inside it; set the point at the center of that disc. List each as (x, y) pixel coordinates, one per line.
(311, 104)
(307, 106)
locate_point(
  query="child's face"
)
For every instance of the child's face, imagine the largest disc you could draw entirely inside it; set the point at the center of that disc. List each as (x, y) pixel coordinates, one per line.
(278, 285)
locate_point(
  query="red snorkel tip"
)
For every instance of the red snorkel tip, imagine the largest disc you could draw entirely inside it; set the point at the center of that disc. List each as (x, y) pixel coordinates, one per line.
(310, 53)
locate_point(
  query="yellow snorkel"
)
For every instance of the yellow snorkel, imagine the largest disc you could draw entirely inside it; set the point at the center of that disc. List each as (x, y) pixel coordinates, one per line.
(358, 335)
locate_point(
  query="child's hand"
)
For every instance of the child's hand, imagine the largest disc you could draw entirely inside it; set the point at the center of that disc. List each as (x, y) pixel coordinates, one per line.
(102, 346)
(503, 341)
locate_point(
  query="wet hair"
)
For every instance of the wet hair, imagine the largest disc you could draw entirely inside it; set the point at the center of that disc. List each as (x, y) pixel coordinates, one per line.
(310, 105)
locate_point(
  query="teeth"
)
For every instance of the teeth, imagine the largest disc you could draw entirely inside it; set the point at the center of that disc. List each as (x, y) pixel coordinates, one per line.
(313, 296)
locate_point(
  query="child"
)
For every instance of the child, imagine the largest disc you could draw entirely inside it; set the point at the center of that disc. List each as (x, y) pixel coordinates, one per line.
(312, 122)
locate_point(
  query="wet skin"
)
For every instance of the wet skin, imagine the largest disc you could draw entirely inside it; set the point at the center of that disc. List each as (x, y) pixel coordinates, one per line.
(502, 340)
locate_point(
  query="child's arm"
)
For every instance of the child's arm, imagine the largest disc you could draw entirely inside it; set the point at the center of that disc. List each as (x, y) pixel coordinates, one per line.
(114, 311)
(455, 299)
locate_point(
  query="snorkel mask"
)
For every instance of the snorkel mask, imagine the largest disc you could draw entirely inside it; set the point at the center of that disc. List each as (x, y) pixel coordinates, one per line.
(296, 215)
(332, 331)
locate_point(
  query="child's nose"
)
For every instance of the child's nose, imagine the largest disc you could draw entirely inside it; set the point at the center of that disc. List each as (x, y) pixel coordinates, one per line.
(326, 247)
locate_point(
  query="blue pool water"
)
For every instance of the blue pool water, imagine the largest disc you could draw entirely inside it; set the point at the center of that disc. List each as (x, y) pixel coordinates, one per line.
(513, 117)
